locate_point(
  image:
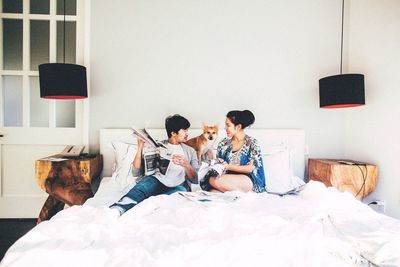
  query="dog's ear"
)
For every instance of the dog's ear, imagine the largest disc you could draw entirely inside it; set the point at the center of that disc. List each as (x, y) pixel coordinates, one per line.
(216, 127)
(204, 125)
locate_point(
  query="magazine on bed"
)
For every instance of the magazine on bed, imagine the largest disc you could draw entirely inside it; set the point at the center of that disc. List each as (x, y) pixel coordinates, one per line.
(207, 198)
(156, 156)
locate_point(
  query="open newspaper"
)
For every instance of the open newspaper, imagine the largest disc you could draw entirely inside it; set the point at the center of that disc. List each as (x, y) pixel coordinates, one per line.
(144, 135)
(156, 156)
(209, 198)
(211, 168)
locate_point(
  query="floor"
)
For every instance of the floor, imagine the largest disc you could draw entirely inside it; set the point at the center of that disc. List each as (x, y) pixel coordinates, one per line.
(11, 230)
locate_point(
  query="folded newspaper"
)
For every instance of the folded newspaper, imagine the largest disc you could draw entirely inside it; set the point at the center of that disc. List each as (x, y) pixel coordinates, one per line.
(293, 191)
(209, 198)
(156, 156)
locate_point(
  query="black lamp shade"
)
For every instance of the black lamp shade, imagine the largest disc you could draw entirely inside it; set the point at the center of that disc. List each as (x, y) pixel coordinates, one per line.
(342, 91)
(62, 81)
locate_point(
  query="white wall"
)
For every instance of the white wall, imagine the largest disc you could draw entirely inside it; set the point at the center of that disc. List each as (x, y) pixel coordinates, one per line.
(152, 58)
(373, 131)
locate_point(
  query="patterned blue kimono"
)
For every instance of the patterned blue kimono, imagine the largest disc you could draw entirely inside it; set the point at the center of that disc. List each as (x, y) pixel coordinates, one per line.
(250, 151)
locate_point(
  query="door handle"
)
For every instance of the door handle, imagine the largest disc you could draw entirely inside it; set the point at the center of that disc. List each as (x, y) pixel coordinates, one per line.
(1, 135)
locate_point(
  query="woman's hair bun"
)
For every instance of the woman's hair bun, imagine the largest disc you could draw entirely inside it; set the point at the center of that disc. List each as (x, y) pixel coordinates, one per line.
(245, 117)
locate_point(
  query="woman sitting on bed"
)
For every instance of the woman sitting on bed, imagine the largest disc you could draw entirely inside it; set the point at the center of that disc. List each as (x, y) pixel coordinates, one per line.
(241, 154)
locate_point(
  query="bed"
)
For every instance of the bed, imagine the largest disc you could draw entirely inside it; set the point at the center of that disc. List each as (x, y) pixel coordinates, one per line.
(319, 226)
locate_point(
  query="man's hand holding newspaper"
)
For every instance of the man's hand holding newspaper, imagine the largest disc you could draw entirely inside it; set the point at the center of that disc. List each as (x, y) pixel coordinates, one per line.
(156, 156)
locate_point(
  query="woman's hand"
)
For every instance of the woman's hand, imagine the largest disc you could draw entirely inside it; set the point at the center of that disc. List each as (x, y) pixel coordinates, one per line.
(226, 166)
(240, 168)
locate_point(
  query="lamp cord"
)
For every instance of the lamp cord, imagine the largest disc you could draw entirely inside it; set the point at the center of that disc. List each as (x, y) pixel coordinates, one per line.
(341, 40)
(64, 35)
(364, 177)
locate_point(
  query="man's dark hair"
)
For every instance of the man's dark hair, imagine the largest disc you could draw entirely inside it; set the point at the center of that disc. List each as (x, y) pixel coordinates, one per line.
(175, 123)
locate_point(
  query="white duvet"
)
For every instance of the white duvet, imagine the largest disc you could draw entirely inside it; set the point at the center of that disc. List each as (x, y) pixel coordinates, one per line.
(319, 227)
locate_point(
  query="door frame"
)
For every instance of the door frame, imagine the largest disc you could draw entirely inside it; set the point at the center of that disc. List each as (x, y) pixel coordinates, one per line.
(51, 135)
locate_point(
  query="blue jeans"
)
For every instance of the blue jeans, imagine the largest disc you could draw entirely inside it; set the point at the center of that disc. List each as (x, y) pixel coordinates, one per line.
(147, 187)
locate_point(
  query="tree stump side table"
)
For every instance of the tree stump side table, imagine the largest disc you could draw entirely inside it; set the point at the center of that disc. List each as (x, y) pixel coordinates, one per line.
(66, 180)
(360, 179)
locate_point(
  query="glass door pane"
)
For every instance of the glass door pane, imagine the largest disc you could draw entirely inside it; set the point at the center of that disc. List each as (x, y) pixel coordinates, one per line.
(70, 42)
(12, 100)
(12, 44)
(39, 106)
(70, 7)
(65, 113)
(40, 43)
(40, 7)
(12, 6)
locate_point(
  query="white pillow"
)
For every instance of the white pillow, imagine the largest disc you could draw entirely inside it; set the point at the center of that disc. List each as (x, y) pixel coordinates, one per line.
(124, 155)
(279, 176)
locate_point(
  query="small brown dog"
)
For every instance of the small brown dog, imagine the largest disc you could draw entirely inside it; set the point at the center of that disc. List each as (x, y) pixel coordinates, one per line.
(204, 143)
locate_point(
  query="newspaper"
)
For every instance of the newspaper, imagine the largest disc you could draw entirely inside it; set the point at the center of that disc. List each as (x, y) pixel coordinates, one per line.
(156, 156)
(54, 159)
(293, 191)
(213, 168)
(208, 198)
(144, 135)
(156, 160)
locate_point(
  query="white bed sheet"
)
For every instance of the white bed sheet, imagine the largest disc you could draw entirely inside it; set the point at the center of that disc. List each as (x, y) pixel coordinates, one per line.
(109, 192)
(319, 227)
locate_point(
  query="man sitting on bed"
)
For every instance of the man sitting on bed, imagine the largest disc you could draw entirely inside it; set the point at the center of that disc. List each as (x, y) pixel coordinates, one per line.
(184, 165)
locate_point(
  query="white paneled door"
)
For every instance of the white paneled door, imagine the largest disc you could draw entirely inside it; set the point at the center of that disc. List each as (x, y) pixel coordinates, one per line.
(32, 33)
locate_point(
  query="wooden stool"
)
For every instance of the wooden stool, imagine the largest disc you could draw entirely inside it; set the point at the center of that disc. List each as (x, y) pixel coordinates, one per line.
(355, 177)
(66, 180)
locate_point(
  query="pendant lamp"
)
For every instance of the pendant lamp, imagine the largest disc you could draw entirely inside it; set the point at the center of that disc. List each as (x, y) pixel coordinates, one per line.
(343, 90)
(61, 80)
